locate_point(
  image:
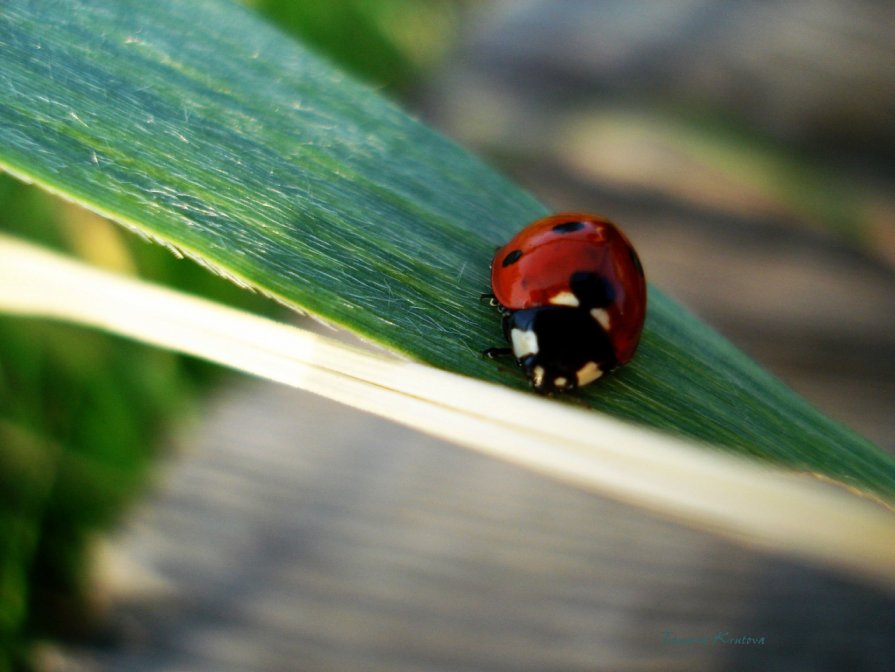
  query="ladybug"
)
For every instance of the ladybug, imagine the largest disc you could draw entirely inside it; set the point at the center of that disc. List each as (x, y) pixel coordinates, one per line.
(572, 294)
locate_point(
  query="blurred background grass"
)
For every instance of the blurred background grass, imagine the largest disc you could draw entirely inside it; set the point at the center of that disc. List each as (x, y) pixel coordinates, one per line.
(683, 122)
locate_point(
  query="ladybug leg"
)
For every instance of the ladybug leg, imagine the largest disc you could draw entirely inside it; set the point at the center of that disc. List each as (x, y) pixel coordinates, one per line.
(494, 353)
(490, 299)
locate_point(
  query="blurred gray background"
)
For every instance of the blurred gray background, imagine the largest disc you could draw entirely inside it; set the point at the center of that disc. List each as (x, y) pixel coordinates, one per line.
(747, 150)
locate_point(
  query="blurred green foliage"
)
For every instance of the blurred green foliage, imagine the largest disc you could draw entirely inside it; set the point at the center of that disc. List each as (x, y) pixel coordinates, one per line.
(81, 413)
(386, 42)
(80, 417)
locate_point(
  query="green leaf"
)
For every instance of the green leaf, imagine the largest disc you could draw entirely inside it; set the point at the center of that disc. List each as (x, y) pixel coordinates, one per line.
(731, 496)
(204, 128)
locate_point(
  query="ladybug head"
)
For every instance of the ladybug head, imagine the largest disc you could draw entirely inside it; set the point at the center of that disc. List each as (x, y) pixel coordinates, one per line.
(559, 347)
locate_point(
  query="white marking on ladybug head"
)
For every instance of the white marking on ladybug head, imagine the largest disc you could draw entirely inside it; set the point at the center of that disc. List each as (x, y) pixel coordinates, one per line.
(588, 373)
(601, 316)
(564, 299)
(537, 376)
(525, 343)
(560, 382)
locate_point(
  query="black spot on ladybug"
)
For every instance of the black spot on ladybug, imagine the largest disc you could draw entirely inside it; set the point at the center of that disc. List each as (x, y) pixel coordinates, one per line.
(591, 290)
(568, 227)
(636, 260)
(511, 258)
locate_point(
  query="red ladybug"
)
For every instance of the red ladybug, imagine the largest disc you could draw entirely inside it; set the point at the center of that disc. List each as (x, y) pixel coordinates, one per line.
(573, 298)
